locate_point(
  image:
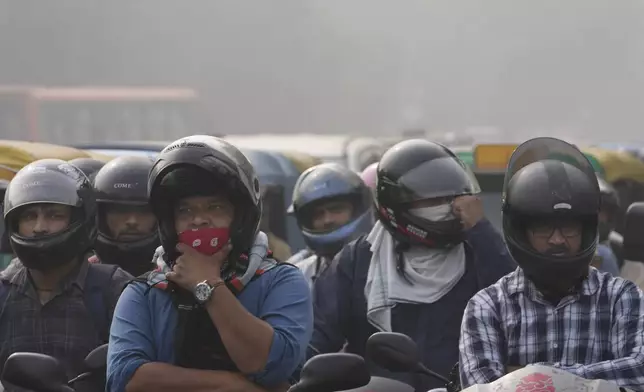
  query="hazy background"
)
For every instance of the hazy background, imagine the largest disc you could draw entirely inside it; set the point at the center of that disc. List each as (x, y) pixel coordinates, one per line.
(573, 67)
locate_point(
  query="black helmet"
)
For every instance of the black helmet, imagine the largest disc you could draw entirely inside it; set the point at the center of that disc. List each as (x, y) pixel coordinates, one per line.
(124, 181)
(610, 204)
(609, 197)
(188, 159)
(415, 170)
(51, 181)
(89, 166)
(549, 179)
(323, 183)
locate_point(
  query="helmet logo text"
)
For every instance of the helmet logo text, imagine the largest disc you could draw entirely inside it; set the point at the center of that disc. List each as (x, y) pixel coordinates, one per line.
(416, 231)
(31, 184)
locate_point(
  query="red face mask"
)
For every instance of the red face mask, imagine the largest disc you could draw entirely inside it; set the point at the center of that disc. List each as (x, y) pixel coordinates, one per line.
(207, 241)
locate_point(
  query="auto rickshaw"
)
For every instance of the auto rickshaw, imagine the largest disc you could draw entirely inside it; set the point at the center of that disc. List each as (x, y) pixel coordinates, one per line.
(14, 155)
(150, 148)
(354, 152)
(98, 156)
(302, 161)
(278, 172)
(625, 172)
(489, 163)
(275, 183)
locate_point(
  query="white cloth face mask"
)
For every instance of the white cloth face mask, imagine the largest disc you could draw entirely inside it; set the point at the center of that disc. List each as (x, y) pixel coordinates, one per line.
(439, 213)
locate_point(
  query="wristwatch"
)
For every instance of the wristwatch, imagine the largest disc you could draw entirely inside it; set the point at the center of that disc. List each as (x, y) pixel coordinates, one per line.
(203, 291)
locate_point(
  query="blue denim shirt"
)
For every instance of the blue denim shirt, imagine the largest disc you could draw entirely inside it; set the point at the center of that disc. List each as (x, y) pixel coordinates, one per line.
(143, 329)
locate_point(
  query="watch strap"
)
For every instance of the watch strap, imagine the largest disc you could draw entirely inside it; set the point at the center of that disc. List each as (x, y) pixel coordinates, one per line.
(212, 287)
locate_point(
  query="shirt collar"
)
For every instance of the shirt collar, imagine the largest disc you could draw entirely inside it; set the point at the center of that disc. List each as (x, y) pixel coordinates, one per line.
(19, 277)
(519, 283)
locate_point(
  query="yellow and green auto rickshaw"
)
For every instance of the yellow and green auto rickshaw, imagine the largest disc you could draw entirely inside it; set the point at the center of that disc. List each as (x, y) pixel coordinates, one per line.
(16, 154)
(624, 172)
(489, 163)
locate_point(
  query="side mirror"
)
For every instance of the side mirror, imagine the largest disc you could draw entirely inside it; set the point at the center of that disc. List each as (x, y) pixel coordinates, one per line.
(633, 243)
(95, 362)
(97, 358)
(36, 372)
(332, 372)
(395, 352)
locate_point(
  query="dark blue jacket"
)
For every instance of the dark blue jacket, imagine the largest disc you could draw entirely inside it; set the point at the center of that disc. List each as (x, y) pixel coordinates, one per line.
(340, 307)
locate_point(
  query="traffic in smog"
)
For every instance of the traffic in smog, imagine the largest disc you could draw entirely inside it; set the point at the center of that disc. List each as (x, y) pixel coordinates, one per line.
(430, 269)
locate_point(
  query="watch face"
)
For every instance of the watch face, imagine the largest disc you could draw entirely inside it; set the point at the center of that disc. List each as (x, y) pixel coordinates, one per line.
(202, 292)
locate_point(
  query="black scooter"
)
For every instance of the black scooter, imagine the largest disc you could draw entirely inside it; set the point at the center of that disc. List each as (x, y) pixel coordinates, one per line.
(42, 373)
(398, 353)
(323, 373)
(343, 372)
(348, 372)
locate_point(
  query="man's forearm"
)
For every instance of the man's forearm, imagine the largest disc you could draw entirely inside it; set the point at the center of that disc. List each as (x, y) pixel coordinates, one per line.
(626, 372)
(162, 377)
(246, 338)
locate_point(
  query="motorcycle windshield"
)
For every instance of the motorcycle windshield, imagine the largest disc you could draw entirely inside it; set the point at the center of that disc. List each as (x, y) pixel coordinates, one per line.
(546, 148)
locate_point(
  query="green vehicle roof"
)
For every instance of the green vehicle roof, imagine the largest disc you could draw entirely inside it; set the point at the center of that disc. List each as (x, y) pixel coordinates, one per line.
(468, 158)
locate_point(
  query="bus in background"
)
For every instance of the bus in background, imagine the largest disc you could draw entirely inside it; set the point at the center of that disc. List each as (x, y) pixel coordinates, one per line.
(72, 115)
(354, 152)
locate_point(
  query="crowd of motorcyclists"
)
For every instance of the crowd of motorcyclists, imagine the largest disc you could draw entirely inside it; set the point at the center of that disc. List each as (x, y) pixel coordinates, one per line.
(165, 261)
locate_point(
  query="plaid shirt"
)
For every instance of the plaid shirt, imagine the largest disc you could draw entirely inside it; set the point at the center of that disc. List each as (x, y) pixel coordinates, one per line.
(596, 334)
(62, 327)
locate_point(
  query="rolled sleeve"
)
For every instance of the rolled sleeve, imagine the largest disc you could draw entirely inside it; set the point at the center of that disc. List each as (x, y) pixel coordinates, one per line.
(131, 335)
(288, 309)
(627, 340)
